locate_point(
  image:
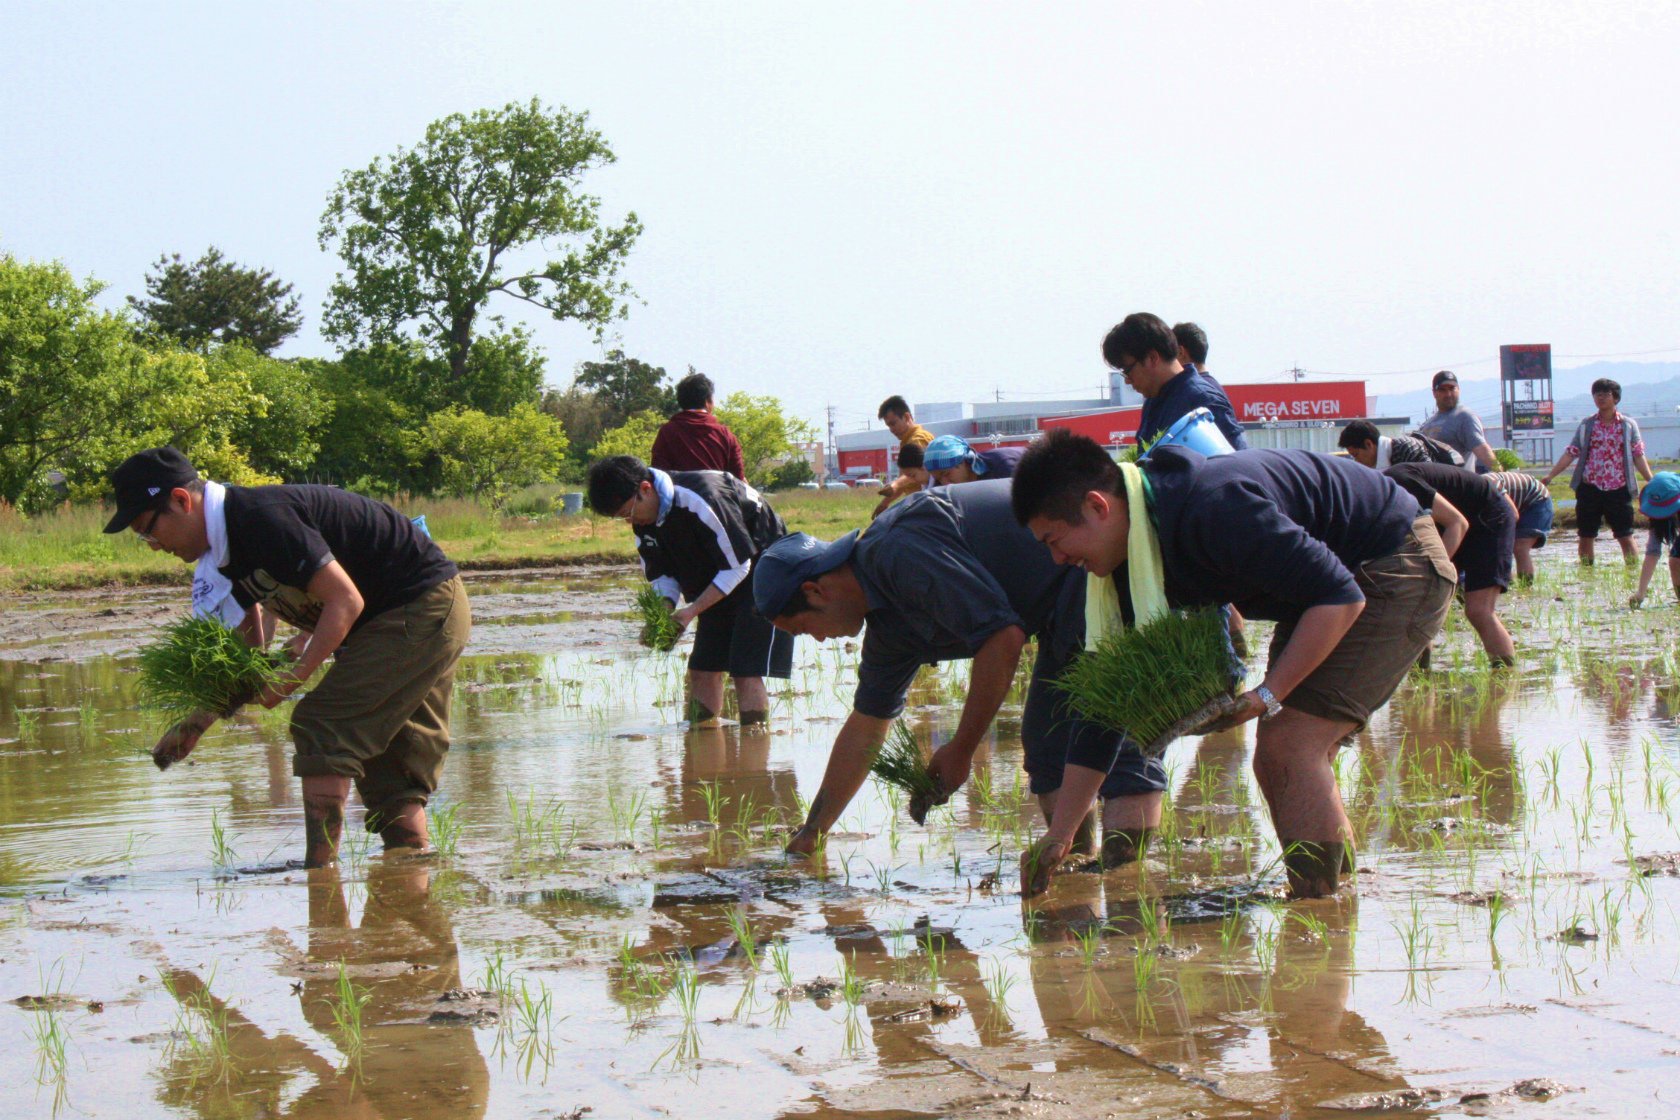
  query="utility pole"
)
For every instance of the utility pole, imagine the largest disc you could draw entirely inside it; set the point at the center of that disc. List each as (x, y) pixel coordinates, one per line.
(831, 456)
(1299, 373)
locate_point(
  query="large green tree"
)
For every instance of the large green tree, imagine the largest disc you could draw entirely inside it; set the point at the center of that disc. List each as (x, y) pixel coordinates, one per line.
(766, 433)
(492, 456)
(215, 300)
(78, 393)
(624, 386)
(429, 235)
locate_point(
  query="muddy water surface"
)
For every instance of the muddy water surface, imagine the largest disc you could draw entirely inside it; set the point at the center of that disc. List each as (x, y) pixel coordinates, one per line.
(611, 931)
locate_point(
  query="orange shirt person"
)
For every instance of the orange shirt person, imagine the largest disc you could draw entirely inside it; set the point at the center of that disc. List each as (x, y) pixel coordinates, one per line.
(895, 413)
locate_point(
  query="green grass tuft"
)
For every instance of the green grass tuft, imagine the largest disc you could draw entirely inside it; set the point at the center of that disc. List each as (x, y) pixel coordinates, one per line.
(1144, 680)
(198, 664)
(659, 629)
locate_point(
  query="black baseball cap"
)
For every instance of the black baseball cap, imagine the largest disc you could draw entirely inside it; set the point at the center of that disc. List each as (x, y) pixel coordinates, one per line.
(1443, 378)
(144, 480)
(785, 566)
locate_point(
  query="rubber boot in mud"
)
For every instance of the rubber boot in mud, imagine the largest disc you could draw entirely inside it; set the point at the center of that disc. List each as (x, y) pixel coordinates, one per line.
(323, 827)
(1122, 846)
(404, 828)
(1314, 868)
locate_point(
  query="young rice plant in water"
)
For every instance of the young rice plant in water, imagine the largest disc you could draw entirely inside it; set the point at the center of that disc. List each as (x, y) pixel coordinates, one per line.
(197, 664)
(659, 629)
(900, 764)
(1146, 679)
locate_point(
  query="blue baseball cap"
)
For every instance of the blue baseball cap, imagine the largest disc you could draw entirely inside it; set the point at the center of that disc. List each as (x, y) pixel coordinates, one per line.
(1661, 496)
(785, 566)
(946, 452)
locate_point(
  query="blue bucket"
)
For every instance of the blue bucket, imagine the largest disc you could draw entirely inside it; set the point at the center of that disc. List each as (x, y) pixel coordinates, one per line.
(571, 503)
(1197, 431)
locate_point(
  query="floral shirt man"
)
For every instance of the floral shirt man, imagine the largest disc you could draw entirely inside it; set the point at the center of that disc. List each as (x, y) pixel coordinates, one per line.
(1606, 465)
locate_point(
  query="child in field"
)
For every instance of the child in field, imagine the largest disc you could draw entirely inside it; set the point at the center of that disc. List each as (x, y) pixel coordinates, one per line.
(1660, 501)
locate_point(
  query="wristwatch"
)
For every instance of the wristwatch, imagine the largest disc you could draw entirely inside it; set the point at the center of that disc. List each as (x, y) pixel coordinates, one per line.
(1273, 704)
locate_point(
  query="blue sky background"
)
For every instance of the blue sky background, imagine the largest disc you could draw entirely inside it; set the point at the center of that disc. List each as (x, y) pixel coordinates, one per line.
(844, 201)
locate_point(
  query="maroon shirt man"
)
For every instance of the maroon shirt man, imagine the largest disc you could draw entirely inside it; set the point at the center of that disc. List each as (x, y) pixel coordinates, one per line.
(694, 439)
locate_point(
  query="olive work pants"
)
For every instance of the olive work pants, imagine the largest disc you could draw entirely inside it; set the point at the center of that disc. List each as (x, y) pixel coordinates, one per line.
(380, 716)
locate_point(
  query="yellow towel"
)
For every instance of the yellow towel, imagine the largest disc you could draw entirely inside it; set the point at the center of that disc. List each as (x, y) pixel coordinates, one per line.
(1146, 577)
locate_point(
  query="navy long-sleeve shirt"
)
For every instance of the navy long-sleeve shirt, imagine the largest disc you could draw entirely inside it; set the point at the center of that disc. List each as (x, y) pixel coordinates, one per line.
(1181, 396)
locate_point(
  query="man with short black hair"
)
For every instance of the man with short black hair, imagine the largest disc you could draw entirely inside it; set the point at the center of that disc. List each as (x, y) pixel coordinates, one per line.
(944, 575)
(912, 464)
(1145, 351)
(895, 413)
(1340, 556)
(694, 439)
(1456, 426)
(1610, 450)
(364, 587)
(1192, 345)
(1365, 444)
(697, 533)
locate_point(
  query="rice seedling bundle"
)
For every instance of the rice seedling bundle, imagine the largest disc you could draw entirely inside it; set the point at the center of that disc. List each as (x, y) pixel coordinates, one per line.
(659, 629)
(900, 763)
(197, 664)
(1157, 681)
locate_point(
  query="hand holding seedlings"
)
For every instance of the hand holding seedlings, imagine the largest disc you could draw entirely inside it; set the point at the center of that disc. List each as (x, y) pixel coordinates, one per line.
(660, 629)
(178, 742)
(1039, 862)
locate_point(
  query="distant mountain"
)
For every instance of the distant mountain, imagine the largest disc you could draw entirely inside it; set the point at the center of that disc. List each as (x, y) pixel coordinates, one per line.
(1647, 387)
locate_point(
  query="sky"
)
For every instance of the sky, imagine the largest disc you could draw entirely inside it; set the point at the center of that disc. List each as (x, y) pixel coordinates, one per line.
(844, 201)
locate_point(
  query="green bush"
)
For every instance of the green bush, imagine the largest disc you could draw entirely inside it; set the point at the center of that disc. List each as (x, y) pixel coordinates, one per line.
(1507, 459)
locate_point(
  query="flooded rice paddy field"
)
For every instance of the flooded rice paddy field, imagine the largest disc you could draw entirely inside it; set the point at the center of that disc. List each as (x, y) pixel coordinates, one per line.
(610, 929)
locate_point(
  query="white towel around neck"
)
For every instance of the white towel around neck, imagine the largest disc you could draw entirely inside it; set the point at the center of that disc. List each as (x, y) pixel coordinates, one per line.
(212, 592)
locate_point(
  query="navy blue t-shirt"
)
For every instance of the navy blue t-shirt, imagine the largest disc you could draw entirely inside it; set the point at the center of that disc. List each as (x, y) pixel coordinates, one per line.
(1272, 532)
(944, 570)
(1183, 395)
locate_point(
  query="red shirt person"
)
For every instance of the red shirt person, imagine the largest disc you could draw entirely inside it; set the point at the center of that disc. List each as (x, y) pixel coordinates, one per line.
(694, 439)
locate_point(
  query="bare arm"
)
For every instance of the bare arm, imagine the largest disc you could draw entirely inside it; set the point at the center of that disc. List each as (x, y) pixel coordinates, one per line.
(1558, 467)
(708, 598)
(990, 675)
(1316, 634)
(1485, 456)
(1452, 524)
(1644, 468)
(848, 765)
(341, 606)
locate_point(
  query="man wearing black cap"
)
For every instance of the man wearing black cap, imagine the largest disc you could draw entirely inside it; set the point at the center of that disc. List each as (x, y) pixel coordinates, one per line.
(944, 575)
(1456, 426)
(364, 586)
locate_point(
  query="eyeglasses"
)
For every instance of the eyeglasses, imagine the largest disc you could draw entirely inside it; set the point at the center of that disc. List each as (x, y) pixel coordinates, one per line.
(146, 533)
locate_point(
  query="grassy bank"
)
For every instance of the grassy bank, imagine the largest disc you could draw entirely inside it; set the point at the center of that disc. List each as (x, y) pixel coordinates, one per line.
(66, 550)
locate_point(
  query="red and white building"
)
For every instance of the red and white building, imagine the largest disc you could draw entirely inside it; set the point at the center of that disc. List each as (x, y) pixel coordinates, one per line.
(1273, 414)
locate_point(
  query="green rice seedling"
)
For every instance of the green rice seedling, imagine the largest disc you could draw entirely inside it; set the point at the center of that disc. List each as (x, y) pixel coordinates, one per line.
(50, 1033)
(933, 947)
(1089, 940)
(999, 980)
(199, 665)
(741, 926)
(1156, 681)
(1145, 963)
(715, 801)
(782, 961)
(200, 1034)
(685, 990)
(346, 1004)
(883, 877)
(626, 812)
(497, 978)
(901, 765)
(27, 722)
(221, 853)
(659, 629)
(851, 985)
(656, 824)
(446, 826)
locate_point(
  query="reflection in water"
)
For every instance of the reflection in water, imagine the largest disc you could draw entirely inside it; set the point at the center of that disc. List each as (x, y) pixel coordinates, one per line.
(662, 920)
(403, 954)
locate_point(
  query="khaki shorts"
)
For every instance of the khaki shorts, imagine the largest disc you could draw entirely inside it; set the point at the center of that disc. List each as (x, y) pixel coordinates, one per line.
(1407, 596)
(381, 714)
